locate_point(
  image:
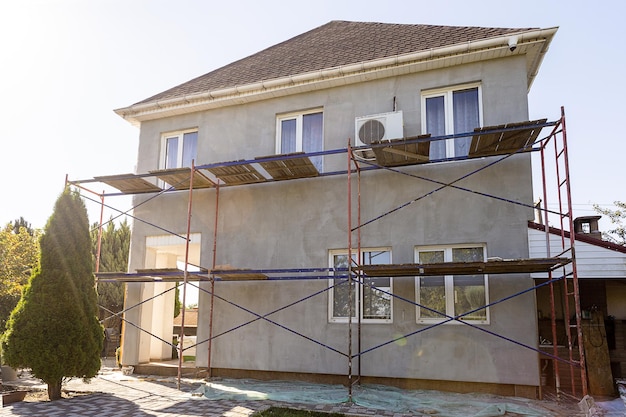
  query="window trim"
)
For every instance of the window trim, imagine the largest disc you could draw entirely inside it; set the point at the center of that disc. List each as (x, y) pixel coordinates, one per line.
(163, 154)
(449, 285)
(359, 309)
(447, 93)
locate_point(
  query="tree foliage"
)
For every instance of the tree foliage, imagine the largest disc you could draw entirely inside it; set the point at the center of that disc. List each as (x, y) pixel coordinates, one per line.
(618, 219)
(19, 251)
(177, 303)
(21, 222)
(54, 330)
(114, 250)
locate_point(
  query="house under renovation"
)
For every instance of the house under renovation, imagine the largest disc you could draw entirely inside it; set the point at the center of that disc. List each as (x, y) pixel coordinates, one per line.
(352, 205)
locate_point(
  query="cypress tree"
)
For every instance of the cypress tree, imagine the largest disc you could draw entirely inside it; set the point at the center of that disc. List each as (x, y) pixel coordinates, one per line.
(114, 251)
(54, 329)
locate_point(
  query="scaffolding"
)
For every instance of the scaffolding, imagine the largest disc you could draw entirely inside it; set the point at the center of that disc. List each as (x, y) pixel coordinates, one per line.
(496, 142)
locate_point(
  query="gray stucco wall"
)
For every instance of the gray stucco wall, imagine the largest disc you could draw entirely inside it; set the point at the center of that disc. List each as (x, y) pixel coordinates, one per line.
(295, 223)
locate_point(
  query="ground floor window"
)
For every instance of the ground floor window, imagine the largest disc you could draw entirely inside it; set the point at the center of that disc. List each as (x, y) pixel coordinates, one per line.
(371, 297)
(440, 297)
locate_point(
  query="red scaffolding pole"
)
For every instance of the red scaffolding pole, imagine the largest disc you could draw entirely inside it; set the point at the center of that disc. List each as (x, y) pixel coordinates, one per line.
(213, 264)
(181, 348)
(567, 244)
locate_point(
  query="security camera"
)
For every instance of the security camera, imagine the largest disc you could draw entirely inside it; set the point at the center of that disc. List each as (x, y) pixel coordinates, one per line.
(512, 43)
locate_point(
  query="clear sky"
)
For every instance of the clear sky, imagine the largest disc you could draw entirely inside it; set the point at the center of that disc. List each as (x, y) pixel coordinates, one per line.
(66, 64)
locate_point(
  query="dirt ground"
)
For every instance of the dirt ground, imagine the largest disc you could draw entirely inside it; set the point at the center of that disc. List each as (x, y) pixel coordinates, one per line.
(39, 396)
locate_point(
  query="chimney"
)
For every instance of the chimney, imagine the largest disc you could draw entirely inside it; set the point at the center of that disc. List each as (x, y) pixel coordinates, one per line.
(588, 225)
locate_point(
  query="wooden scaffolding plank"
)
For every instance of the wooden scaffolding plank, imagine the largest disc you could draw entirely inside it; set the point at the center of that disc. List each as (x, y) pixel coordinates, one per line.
(237, 174)
(398, 152)
(225, 276)
(153, 275)
(229, 273)
(290, 168)
(505, 266)
(518, 137)
(179, 178)
(129, 183)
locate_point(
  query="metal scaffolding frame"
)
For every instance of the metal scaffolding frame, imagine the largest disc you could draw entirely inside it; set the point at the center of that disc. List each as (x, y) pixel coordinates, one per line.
(558, 140)
(498, 142)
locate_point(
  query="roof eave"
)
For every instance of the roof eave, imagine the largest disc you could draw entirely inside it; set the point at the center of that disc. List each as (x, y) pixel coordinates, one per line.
(533, 44)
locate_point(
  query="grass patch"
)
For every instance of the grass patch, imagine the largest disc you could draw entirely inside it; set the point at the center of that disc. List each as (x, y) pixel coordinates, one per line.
(289, 412)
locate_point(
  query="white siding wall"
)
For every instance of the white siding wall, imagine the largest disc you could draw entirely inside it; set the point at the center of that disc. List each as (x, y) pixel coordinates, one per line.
(592, 261)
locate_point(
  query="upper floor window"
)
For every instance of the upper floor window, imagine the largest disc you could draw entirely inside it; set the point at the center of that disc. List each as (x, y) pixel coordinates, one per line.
(301, 132)
(450, 111)
(371, 299)
(441, 297)
(179, 149)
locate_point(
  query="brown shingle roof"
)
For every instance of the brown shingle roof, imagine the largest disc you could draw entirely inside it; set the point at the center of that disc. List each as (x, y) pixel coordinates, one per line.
(191, 318)
(334, 44)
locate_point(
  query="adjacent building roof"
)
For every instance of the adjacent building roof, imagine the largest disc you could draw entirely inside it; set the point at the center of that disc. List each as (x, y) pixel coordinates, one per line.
(582, 237)
(191, 318)
(341, 50)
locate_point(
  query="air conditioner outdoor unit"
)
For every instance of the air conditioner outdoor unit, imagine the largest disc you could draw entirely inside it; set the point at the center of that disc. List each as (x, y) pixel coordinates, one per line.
(377, 127)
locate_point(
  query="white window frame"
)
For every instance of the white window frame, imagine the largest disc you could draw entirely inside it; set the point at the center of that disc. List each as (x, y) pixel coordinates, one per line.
(449, 285)
(359, 293)
(179, 157)
(298, 117)
(447, 94)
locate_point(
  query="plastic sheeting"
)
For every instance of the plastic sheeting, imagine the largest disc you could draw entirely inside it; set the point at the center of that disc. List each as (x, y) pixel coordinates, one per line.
(615, 408)
(379, 397)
